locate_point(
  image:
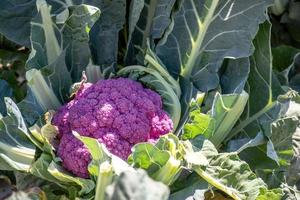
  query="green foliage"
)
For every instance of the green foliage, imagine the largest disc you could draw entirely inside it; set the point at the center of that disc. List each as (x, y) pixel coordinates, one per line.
(225, 86)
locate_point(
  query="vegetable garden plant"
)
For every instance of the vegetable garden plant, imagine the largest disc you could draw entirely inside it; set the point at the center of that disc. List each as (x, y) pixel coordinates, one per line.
(149, 99)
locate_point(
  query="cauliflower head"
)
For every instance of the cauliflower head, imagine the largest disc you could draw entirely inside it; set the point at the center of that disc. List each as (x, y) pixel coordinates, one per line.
(119, 113)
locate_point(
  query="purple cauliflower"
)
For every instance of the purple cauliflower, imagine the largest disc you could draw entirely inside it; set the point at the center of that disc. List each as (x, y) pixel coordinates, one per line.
(119, 113)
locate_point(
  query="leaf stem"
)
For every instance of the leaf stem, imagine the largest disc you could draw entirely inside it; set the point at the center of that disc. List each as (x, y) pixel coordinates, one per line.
(216, 184)
(104, 179)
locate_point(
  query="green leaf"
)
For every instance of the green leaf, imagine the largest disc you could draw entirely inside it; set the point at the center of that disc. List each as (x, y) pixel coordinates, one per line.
(47, 169)
(235, 75)
(228, 173)
(225, 171)
(45, 38)
(152, 61)
(275, 194)
(17, 150)
(283, 56)
(198, 124)
(135, 186)
(60, 66)
(104, 36)
(30, 107)
(16, 15)
(64, 177)
(44, 95)
(260, 112)
(204, 33)
(282, 132)
(291, 74)
(98, 152)
(193, 191)
(48, 56)
(148, 19)
(76, 38)
(154, 80)
(148, 157)
(162, 161)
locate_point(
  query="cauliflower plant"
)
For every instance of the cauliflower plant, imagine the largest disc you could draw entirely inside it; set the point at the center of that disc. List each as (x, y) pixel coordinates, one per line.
(119, 113)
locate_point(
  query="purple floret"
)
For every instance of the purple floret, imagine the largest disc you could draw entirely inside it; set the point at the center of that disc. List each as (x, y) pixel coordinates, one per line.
(74, 154)
(119, 113)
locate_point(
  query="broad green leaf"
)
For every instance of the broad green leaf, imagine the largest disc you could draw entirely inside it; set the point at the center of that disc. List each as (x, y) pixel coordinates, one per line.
(45, 38)
(204, 33)
(48, 41)
(235, 75)
(260, 112)
(31, 108)
(76, 38)
(17, 150)
(282, 133)
(148, 19)
(154, 80)
(16, 15)
(104, 36)
(136, 186)
(225, 171)
(48, 56)
(231, 175)
(205, 146)
(274, 178)
(294, 171)
(283, 56)
(26, 181)
(282, 139)
(226, 110)
(29, 183)
(40, 168)
(188, 92)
